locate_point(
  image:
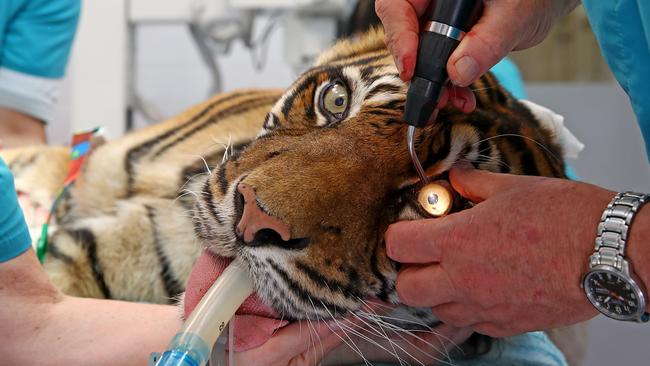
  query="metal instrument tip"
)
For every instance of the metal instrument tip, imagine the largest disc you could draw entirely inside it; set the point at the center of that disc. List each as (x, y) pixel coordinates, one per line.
(414, 156)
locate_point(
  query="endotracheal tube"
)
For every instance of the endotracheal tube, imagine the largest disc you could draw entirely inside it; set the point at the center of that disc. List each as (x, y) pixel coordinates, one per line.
(192, 345)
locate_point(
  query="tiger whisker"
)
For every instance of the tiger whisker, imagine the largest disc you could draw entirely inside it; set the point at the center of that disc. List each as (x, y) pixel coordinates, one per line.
(408, 354)
(185, 193)
(394, 352)
(312, 333)
(398, 329)
(332, 316)
(382, 323)
(549, 152)
(380, 318)
(383, 334)
(322, 350)
(375, 303)
(487, 158)
(375, 343)
(205, 162)
(376, 320)
(350, 344)
(225, 146)
(380, 326)
(486, 88)
(395, 329)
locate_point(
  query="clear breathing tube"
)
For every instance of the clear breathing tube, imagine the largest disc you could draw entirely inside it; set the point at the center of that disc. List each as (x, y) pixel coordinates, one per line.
(193, 344)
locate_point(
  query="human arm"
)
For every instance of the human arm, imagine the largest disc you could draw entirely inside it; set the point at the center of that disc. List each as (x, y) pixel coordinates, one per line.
(35, 41)
(41, 326)
(515, 261)
(18, 129)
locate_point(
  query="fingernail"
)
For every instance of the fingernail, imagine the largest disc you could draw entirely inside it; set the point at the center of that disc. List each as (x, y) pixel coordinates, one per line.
(399, 65)
(467, 69)
(463, 103)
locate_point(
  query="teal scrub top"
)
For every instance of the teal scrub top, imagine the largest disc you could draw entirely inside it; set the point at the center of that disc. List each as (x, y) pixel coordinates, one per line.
(622, 28)
(14, 236)
(36, 35)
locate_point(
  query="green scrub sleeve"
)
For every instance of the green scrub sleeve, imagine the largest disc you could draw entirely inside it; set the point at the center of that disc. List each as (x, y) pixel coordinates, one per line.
(14, 235)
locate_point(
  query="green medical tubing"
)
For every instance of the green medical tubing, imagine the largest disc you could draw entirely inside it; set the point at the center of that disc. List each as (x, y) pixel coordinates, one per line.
(192, 345)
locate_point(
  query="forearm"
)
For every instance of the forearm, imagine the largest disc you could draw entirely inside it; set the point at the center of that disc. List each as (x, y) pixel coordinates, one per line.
(18, 129)
(638, 247)
(39, 326)
(105, 332)
(79, 331)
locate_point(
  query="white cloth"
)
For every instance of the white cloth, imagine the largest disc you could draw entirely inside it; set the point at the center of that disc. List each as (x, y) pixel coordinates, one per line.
(29, 94)
(554, 122)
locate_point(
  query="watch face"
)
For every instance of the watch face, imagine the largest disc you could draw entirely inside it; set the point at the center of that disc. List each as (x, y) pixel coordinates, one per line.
(614, 295)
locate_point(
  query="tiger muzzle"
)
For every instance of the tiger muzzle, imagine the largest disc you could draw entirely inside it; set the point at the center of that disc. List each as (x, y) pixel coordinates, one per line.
(258, 228)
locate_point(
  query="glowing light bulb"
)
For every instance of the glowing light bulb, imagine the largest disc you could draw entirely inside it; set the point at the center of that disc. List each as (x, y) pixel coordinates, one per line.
(436, 198)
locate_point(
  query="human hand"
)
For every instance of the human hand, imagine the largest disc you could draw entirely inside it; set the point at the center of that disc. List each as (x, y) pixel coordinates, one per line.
(511, 264)
(506, 25)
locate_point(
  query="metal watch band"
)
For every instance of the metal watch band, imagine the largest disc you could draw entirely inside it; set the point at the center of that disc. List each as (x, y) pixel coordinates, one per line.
(613, 229)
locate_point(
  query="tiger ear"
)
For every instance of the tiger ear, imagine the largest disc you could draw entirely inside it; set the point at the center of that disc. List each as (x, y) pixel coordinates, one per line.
(371, 41)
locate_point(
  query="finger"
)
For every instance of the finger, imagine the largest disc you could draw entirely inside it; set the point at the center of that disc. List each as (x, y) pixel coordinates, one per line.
(494, 330)
(451, 336)
(318, 350)
(401, 25)
(487, 43)
(425, 286)
(289, 342)
(411, 242)
(462, 98)
(479, 185)
(457, 314)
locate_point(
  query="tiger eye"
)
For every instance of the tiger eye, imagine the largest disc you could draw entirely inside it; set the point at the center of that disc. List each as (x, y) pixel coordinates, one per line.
(335, 100)
(436, 199)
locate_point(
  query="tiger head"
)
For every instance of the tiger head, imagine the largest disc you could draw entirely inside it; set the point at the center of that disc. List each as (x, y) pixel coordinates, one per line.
(306, 204)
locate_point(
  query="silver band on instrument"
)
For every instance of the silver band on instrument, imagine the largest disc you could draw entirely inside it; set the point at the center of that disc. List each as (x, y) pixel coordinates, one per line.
(444, 29)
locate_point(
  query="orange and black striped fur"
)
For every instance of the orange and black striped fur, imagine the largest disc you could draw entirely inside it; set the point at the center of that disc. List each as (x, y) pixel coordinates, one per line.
(337, 177)
(327, 157)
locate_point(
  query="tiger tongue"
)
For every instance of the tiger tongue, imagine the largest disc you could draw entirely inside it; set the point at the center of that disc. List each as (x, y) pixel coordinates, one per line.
(254, 322)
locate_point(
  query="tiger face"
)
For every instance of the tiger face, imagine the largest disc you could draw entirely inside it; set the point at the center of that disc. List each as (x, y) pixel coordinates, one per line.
(306, 204)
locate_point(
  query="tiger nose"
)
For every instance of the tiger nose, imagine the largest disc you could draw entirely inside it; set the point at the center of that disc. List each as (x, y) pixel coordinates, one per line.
(254, 219)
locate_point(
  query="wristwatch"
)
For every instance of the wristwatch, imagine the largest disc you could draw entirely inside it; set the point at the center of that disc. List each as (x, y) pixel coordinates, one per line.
(610, 283)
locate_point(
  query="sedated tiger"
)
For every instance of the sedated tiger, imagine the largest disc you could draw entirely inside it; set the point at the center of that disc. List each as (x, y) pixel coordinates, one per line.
(300, 185)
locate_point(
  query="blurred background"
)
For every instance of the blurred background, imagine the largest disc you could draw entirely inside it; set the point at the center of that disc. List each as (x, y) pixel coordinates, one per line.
(136, 62)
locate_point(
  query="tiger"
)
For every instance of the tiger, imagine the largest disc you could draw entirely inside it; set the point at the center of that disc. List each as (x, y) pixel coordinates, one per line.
(299, 185)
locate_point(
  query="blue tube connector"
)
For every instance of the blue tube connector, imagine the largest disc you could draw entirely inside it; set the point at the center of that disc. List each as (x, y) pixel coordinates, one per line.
(185, 349)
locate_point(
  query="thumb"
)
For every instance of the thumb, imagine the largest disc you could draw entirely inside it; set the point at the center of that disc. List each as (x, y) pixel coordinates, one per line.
(496, 34)
(479, 185)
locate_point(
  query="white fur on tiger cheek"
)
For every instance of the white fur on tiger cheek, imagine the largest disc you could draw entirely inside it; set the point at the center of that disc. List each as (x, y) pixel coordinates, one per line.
(225, 242)
(571, 146)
